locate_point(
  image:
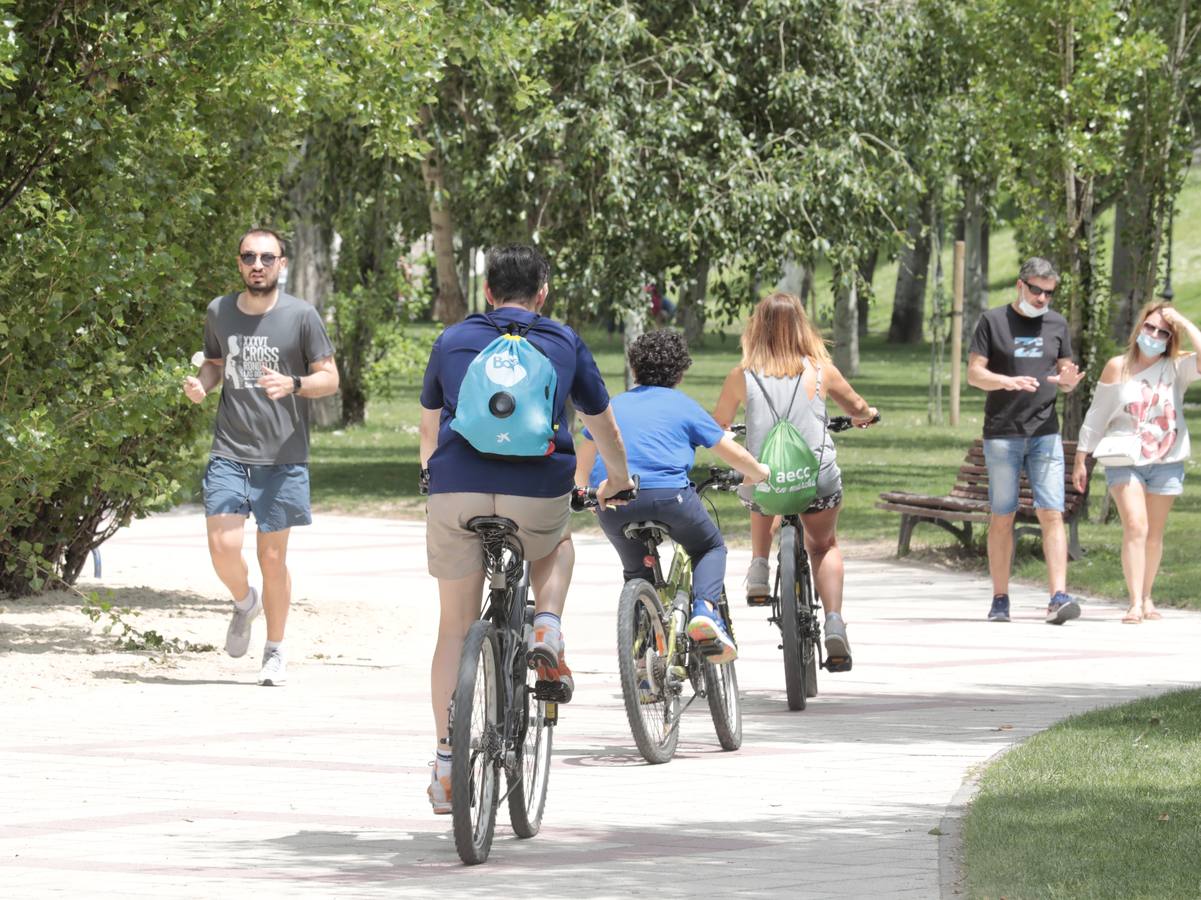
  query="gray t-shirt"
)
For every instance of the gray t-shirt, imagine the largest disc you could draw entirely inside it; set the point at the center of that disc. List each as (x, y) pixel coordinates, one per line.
(251, 427)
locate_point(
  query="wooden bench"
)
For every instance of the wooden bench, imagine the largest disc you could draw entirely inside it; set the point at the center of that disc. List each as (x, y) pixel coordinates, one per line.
(968, 503)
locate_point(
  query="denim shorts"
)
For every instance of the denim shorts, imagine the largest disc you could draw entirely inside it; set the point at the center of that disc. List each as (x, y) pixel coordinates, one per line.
(1041, 457)
(1166, 479)
(277, 495)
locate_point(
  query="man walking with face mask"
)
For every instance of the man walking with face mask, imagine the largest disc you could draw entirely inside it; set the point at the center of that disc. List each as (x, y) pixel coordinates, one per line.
(271, 353)
(1021, 354)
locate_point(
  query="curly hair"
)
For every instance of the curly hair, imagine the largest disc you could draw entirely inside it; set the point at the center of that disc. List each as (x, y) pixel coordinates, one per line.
(660, 358)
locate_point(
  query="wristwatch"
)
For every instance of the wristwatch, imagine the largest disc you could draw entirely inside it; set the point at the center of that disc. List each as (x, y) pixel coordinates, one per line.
(295, 384)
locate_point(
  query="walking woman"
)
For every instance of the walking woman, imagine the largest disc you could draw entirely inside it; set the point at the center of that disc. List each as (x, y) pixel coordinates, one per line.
(785, 365)
(1136, 428)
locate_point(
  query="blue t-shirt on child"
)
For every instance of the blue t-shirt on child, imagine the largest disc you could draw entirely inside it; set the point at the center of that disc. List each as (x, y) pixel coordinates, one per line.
(661, 428)
(456, 465)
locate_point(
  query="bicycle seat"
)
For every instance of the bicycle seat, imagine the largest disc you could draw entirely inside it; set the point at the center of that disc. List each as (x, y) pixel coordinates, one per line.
(641, 531)
(498, 525)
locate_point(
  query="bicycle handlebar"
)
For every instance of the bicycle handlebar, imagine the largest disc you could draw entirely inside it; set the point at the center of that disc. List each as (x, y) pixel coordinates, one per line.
(585, 498)
(721, 479)
(844, 423)
(835, 424)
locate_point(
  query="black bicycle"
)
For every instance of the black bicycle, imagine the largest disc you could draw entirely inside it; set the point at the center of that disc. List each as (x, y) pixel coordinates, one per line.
(655, 655)
(796, 606)
(500, 716)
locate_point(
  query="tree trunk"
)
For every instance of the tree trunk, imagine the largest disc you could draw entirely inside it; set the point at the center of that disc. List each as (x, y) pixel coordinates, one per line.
(691, 312)
(809, 295)
(635, 324)
(867, 274)
(450, 305)
(975, 285)
(846, 328)
(311, 258)
(792, 279)
(909, 299)
(1124, 302)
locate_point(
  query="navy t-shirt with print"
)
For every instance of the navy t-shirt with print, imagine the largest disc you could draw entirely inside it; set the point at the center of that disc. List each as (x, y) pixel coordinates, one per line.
(456, 466)
(661, 428)
(1015, 344)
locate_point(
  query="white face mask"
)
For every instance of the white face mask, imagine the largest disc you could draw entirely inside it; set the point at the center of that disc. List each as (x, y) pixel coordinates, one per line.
(1151, 346)
(1031, 311)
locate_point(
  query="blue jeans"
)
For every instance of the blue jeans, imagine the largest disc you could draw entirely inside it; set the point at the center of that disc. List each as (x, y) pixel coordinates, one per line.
(1165, 479)
(682, 511)
(1041, 457)
(277, 495)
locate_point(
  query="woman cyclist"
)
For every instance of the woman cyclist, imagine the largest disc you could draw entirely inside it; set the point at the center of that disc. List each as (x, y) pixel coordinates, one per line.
(784, 360)
(662, 427)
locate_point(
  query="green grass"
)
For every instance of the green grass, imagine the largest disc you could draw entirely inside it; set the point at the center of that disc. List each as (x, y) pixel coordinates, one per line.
(373, 469)
(1106, 804)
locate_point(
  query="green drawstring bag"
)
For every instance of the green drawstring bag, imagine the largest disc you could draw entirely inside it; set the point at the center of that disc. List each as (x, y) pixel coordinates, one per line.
(792, 485)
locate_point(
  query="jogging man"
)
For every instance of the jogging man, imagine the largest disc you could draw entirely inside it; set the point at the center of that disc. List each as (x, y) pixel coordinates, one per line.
(1021, 354)
(273, 355)
(534, 493)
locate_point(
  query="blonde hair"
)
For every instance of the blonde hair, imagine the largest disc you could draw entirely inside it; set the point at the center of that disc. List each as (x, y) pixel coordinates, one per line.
(1173, 349)
(779, 336)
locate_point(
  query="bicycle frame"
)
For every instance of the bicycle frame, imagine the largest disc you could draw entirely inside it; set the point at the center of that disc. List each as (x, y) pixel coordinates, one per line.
(508, 576)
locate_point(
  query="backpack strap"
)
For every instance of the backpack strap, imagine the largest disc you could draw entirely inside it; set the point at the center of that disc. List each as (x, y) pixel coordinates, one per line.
(770, 405)
(513, 327)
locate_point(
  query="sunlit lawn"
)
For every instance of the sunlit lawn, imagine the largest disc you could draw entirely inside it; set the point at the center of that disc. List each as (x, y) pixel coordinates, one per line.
(373, 469)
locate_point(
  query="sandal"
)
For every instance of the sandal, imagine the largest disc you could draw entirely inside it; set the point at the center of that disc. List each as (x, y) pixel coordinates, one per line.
(1152, 614)
(1133, 617)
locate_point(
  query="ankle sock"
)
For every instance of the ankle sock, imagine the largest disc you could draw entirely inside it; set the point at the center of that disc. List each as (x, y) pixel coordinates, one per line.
(274, 645)
(442, 763)
(549, 621)
(246, 602)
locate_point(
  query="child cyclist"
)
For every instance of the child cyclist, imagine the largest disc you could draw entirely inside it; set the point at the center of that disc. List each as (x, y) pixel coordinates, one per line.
(662, 427)
(785, 365)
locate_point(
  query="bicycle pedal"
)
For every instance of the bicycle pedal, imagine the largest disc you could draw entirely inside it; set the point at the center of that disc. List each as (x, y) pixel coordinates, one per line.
(838, 664)
(758, 601)
(711, 648)
(550, 691)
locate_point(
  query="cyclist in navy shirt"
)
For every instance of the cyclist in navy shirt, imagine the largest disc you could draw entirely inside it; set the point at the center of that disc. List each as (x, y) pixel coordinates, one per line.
(534, 493)
(663, 427)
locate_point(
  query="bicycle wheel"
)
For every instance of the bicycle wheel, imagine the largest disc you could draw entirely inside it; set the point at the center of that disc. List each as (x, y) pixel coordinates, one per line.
(652, 707)
(476, 741)
(791, 630)
(809, 632)
(721, 690)
(527, 779)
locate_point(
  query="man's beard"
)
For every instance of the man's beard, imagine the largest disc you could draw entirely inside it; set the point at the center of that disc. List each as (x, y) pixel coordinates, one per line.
(264, 287)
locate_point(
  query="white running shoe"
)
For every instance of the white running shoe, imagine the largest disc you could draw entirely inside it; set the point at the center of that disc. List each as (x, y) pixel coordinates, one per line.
(237, 638)
(758, 582)
(275, 670)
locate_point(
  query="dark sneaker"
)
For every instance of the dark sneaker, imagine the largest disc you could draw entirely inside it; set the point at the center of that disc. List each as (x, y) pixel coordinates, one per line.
(1062, 608)
(1000, 609)
(706, 629)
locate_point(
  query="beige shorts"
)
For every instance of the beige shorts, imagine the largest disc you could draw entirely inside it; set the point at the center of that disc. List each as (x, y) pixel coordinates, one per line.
(455, 552)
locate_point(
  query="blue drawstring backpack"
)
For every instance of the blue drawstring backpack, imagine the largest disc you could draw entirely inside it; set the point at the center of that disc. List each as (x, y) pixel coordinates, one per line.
(507, 398)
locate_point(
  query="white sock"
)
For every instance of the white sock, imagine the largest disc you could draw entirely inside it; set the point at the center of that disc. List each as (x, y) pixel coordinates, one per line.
(277, 646)
(442, 763)
(246, 602)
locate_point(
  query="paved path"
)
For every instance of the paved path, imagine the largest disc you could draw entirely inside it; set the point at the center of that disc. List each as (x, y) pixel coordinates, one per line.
(190, 781)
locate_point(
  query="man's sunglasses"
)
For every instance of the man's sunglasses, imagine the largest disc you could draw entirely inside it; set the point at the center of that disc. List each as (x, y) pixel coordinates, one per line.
(1037, 291)
(248, 259)
(1162, 333)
